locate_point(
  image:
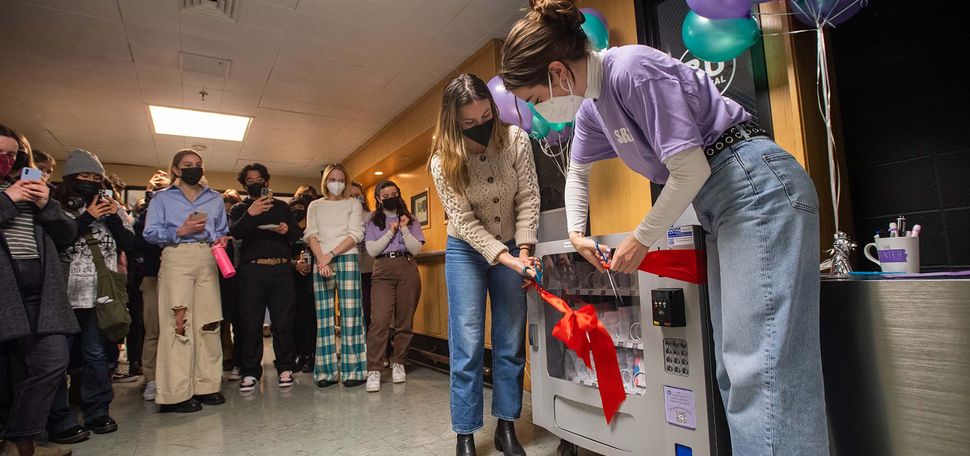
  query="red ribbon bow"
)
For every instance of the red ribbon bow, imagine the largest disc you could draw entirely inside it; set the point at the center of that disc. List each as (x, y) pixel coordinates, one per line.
(583, 333)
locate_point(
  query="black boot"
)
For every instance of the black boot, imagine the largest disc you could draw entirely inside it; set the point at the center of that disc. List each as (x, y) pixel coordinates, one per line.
(505, 440)
(466, 445)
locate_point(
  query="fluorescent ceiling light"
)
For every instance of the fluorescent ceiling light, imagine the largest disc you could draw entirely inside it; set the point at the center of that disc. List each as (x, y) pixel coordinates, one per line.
(198, 124)
(378, 173)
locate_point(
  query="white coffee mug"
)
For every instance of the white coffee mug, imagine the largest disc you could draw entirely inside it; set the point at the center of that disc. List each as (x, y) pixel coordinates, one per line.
(895, 254)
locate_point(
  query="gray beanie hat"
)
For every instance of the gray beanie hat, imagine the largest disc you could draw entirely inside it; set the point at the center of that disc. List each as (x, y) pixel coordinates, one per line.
(82, 161)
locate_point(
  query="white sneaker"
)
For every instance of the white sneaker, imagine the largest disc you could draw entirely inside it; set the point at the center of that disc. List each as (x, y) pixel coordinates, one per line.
(235, 374)
(150, 390)
(373, 381)
(397, 373)
(248, 383)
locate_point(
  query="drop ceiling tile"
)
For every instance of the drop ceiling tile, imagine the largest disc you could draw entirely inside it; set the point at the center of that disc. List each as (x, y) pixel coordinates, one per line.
(267, 15)
(209, 47)
(153, 38)
(148, 56)
(105, 9)
(473, 24)
(148, 72)
(151, 13)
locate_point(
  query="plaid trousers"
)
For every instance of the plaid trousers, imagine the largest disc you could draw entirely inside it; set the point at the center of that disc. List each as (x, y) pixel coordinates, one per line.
(345, 286)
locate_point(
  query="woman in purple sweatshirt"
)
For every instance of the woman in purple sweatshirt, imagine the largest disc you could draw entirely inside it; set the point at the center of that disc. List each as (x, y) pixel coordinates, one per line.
(668, 122)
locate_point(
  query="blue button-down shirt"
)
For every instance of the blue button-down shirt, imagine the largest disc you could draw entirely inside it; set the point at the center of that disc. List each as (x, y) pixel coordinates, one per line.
(170, 208)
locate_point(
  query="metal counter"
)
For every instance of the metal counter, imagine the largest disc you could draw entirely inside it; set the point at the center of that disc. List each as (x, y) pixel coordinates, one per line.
(896, 359)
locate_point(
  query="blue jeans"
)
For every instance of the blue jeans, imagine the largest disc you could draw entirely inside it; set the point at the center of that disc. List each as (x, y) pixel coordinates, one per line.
(760, 211)
(468, 277)
(96, 392)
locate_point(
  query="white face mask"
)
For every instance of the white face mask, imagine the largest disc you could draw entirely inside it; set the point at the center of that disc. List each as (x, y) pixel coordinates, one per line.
(336, 188)
(560, 109)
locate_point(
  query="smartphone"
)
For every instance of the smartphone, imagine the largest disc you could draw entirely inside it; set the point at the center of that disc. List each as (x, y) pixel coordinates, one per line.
(196, 215)
(31, 174)
(266, 192)
(106, 194)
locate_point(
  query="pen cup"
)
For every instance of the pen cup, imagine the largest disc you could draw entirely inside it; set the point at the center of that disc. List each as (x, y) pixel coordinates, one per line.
(896, 254)
(222, 260)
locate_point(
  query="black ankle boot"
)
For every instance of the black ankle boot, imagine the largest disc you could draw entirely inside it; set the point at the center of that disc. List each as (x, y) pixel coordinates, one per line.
(505, 440)
(466, 445)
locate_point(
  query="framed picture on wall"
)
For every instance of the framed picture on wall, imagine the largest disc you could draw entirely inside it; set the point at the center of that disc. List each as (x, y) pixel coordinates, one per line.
(419, 207)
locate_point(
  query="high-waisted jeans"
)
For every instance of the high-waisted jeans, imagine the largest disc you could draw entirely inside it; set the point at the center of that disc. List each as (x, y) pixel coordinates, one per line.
(760, 211)
(469, 277)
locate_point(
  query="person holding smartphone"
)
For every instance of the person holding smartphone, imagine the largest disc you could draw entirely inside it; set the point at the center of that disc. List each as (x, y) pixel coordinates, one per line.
(305, 320)
(151, 259)
(187, 220)
(266, 228)
(35, 316)
(98, 220)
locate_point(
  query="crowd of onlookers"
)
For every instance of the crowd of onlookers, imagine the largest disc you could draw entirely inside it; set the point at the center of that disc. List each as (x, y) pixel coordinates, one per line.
(184, 285)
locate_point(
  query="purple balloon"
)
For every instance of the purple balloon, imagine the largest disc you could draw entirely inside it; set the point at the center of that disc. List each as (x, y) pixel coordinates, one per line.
(825, 12)
(556, 137)
(721, 9)
(507, 104)
(597, 14)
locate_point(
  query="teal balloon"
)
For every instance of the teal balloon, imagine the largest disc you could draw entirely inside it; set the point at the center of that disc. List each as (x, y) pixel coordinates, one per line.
(540, 128)
(719, 40)
(595, 29)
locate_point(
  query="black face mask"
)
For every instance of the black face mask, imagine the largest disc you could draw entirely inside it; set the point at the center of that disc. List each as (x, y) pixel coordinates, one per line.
(191, 176)
(87, 189)
(392, 204)
(254, 190)
(298, 216)
(480, 133)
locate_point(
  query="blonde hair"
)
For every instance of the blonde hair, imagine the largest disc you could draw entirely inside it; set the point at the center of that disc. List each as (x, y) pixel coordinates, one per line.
(448, 142)
(325, 192)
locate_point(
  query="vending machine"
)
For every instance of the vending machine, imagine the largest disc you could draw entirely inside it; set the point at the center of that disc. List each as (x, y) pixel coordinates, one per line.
(661, 330)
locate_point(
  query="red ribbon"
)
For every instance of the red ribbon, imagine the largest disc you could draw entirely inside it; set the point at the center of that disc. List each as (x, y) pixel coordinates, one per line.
(583, 333)
(686, 265)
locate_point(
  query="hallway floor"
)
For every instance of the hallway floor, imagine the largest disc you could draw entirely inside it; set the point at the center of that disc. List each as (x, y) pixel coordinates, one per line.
(402, 419)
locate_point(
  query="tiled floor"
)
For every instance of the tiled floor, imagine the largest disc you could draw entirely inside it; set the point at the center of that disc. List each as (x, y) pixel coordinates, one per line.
(402, 419)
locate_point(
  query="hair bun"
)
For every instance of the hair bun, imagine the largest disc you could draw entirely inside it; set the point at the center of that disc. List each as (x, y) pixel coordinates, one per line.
(556, 12)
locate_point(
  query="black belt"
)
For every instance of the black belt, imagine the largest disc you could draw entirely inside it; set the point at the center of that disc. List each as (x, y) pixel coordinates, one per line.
(735, 134)
(393, 254)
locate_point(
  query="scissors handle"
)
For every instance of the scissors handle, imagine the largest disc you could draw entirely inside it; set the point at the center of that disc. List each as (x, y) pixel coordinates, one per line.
(600, 252)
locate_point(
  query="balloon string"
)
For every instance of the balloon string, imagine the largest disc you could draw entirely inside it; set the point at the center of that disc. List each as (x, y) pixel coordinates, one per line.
(824, 97)
(793, 32)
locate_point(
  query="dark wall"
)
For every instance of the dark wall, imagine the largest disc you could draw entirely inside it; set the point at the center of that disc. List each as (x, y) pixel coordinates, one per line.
(904, 95)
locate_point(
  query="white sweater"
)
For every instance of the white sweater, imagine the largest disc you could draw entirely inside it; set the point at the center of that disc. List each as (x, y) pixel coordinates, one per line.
(331, 221)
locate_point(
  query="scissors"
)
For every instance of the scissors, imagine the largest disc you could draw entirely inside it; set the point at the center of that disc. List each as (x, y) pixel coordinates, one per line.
(609, 274)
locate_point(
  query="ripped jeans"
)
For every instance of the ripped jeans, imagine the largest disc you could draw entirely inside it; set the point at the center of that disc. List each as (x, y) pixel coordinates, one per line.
(189, 360)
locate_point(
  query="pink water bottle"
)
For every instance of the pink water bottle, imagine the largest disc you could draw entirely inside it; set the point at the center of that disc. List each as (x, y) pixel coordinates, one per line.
(222, 259)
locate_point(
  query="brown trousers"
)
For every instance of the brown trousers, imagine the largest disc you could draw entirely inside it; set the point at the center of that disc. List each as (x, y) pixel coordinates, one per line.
(188, 364)
(395, 289)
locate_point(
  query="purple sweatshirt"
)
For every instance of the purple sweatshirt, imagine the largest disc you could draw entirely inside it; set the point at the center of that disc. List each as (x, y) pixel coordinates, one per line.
(651, 106)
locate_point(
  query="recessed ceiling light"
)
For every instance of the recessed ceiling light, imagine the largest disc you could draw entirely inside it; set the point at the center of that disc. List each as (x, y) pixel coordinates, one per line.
(198, 124)
(378, 173)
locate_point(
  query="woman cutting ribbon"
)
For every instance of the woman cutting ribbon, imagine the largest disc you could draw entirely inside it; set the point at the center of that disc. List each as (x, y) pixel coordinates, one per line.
(486, 178)
(758, 207)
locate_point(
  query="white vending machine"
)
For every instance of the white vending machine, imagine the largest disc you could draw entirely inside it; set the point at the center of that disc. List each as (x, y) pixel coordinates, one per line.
(661, 329)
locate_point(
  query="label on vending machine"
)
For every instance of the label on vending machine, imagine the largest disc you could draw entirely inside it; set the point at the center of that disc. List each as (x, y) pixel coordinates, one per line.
(679, 406)
(680, 237)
